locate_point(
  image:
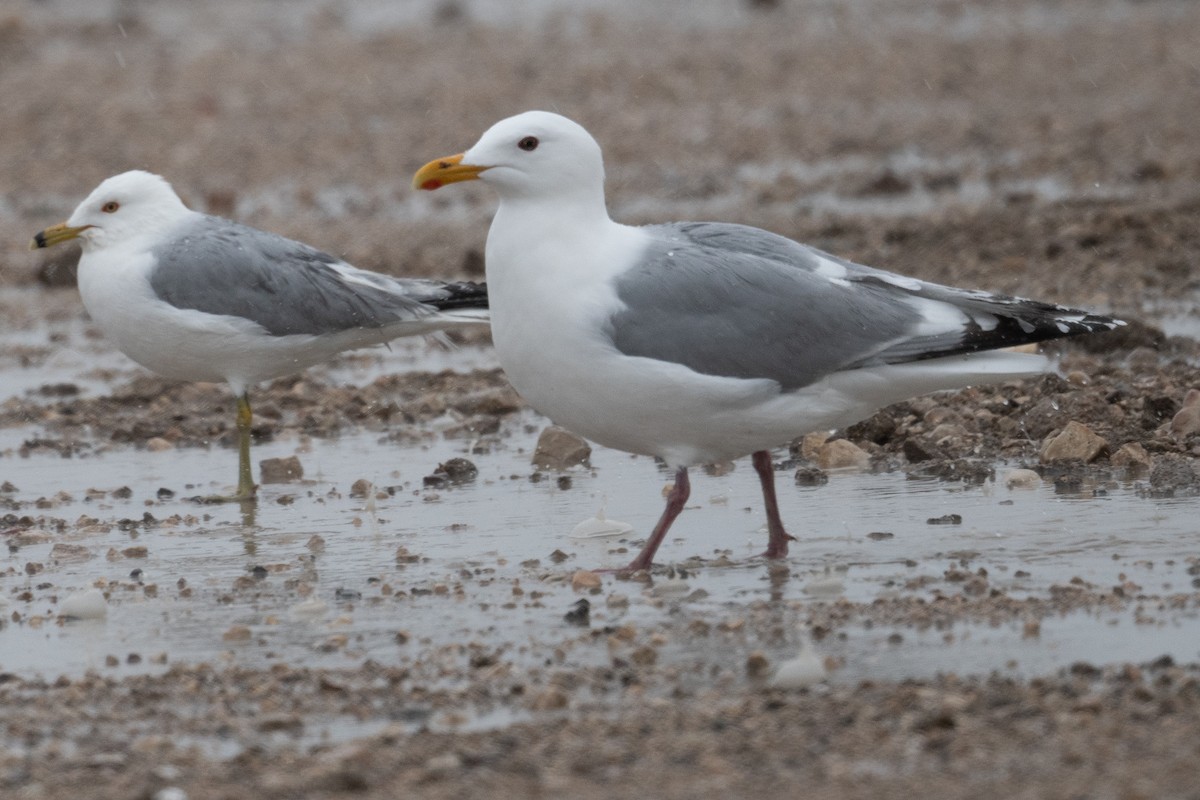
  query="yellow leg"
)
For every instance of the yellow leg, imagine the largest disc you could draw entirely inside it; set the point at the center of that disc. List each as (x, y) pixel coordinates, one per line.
(245, 487)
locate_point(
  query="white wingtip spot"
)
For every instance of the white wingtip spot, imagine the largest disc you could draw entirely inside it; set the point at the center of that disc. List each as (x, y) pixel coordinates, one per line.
(830, 269)
(901, 281)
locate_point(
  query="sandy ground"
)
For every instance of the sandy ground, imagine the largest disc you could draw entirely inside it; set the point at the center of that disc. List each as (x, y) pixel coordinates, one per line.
(1041, 148)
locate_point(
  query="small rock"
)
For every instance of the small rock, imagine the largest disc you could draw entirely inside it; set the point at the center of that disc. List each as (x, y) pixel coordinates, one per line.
(452, 472)
(1187, 421)
(1076, 442)
(811, 443)
(289, 723)
(811, 476)
(945, 519)
(580, 613)
(645, 656)
(552, 699)
(27, 537)
(281, 470)
(803, 670)
(1130, 455)
(361, 488)
(842, 454)
(879, 536)
(88, 604)
(558, 448)
(1022, 479)
(157, 444)
(617, 600)
(237, 633)
(444, 762)
(1171, 471)
(826, 586)
(62, 552)
(757, 664)
(585, 580)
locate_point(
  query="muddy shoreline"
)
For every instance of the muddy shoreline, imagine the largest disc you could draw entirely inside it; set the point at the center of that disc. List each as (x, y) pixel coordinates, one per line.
(367, 632)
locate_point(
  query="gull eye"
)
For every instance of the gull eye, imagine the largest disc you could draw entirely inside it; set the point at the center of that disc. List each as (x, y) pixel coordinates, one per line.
(110, 206)
(528, 143)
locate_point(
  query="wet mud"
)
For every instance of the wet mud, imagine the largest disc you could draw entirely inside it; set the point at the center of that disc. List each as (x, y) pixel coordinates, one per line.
(994, 592)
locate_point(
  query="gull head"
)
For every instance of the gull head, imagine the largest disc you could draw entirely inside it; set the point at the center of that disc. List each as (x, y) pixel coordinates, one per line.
(122, 208)
(535, 155)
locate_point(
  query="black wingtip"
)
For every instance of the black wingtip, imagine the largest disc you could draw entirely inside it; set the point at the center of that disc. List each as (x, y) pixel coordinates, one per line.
(464, 294)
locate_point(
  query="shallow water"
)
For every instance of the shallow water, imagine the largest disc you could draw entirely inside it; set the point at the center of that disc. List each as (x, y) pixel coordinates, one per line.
(473, 542)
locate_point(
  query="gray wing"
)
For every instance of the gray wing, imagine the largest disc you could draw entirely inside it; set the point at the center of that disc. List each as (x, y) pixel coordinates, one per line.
(735, 301)
(221, 267)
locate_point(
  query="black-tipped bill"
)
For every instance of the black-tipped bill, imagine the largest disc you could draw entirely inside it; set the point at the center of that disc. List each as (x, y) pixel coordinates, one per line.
(55, 234)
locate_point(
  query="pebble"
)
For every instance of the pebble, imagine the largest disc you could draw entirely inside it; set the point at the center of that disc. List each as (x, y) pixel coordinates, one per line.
(811, 444)
(757, 664)
(1130, 455)
(828, 586)
(157, 444)
(580, 613)
(1187, 420)
(444, 762)
(281, 470)
(1076, 442)
(670, 587)
(552, 699)
(1172, 471)
(87, 604)
(796, 673)
(585, 580)
(1022, 479)
(63, 552)
(237, 633)
(452, 472)
(811, 476)
(557, 449)
(842, 454)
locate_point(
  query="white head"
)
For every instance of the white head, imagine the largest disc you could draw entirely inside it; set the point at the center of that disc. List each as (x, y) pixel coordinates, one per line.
(535, 155)
(121, 208)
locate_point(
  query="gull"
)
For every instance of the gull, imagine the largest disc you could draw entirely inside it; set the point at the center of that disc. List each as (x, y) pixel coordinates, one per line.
(199, 298)
(701, 342)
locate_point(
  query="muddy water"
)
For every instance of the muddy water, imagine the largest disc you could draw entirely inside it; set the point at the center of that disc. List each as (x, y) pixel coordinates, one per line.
(478, 566)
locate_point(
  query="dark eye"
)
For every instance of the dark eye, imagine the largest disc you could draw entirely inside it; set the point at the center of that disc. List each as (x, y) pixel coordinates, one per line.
(110, 206)
(528, 143)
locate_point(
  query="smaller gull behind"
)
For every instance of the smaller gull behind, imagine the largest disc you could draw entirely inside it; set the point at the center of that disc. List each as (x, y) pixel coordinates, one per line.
(200, 298)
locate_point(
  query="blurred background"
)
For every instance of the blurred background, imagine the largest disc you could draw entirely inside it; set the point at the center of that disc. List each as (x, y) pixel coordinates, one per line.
(1044, 147)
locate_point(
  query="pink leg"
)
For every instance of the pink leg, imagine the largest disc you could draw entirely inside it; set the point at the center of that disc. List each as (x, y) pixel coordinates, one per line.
(675, 501)
(777, 543)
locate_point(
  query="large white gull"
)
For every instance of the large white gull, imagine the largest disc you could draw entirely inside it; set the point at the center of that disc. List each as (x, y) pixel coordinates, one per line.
(701, 342)
(200, 298)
